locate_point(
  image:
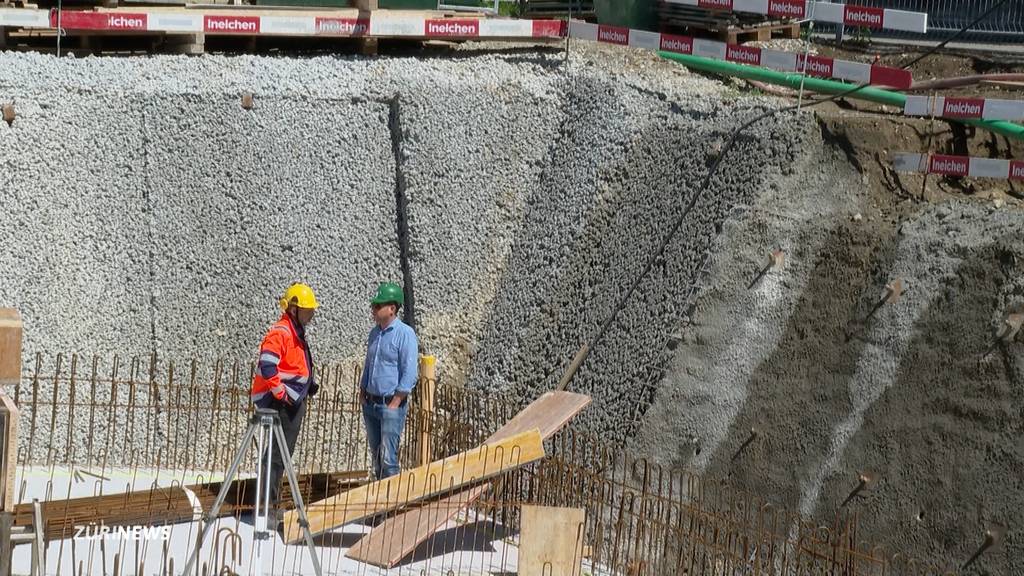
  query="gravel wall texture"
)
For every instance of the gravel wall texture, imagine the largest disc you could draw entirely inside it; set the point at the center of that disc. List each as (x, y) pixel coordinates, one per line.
(173, 222)
(509, 169)
(74, 247)
(624, 168)
(472, 151)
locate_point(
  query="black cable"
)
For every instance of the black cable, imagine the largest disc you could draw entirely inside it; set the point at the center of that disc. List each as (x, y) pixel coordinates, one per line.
(584, 352)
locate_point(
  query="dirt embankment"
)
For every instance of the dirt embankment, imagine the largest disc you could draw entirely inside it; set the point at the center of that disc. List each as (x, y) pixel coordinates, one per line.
(917, 393)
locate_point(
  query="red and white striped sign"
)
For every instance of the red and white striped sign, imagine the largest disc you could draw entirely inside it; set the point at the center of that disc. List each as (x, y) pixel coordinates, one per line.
(453, 28)
(774, 59)
(223, 24)
(346, 24)
(950, 107)
(848, 14)
(959, 166)
(120, 21)
(327, 26)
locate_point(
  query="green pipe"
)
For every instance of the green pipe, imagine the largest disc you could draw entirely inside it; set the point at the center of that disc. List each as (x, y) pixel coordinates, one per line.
(793, 80)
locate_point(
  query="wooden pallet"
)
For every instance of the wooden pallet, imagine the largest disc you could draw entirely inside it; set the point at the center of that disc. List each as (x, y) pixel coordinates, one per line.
(738, 35)
(730, 27)
(542, 9)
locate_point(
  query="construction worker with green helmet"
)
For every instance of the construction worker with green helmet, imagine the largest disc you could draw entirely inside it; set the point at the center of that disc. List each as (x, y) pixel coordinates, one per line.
(389, 375)
(284, 377)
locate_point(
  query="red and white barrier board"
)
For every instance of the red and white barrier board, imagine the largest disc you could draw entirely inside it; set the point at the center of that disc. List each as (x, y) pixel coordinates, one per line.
(378, 24)
(848, 14)
(959, 166)
(777, 60)
(950, 107)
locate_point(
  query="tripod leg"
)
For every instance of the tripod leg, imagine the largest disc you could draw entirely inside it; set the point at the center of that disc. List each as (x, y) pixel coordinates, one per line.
(261, 509)
(293, 481)
(209, 518)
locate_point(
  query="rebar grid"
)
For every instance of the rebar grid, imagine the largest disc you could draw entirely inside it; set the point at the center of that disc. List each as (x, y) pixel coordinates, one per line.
(104, 420)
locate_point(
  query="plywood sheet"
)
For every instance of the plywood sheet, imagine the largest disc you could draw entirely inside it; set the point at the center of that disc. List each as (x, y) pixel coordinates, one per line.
(551, 541)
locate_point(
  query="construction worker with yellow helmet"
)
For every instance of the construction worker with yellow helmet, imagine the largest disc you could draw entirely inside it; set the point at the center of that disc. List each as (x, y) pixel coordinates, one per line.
(284, 377)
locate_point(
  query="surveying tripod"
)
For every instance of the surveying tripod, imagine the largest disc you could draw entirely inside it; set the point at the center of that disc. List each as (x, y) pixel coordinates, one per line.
(265, 427)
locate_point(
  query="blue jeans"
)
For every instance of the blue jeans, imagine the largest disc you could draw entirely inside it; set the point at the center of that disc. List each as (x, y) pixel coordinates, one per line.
(383, 432)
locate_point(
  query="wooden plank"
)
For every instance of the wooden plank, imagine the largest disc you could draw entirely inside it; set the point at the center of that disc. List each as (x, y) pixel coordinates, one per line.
(367, 46)
(551, 541)
(149, 507)
(10, 378)
(486, 461)
(428, 384)
(38, 544)
(162, 506)
(397, 537)
(10, 347)
(549, 414)
(9, 418)
(313, 487)
(6, 548)
(1009, 85)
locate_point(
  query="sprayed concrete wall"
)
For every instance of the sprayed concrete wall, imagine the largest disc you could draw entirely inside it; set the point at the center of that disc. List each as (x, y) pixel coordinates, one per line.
(615, 184)
(172, 222)
(907, 396)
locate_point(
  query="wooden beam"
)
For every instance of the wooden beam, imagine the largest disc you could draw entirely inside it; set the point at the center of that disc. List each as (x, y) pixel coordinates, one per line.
(551, 541)
(367, 46)
(172, 505)
(398, 536)
(10, 347)
(9, 418)
(1003, 84)
(11, 330)
(434, 479)
(38, 544)
(428, 383)
(6, 547)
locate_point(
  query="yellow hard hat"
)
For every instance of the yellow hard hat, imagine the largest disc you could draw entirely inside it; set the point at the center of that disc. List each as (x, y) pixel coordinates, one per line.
(301, 295)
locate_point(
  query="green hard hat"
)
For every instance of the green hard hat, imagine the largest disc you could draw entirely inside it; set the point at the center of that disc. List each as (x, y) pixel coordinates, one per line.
(387, 293)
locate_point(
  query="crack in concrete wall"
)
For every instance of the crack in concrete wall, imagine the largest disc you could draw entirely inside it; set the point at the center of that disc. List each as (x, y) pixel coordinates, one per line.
(402, 209)
(150, 223)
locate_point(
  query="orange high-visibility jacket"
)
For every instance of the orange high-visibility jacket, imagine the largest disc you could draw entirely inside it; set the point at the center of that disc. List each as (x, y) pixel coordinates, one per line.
(285, 365)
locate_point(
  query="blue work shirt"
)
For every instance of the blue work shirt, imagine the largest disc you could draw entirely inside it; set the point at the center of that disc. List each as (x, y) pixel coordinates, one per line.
(392, 360)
